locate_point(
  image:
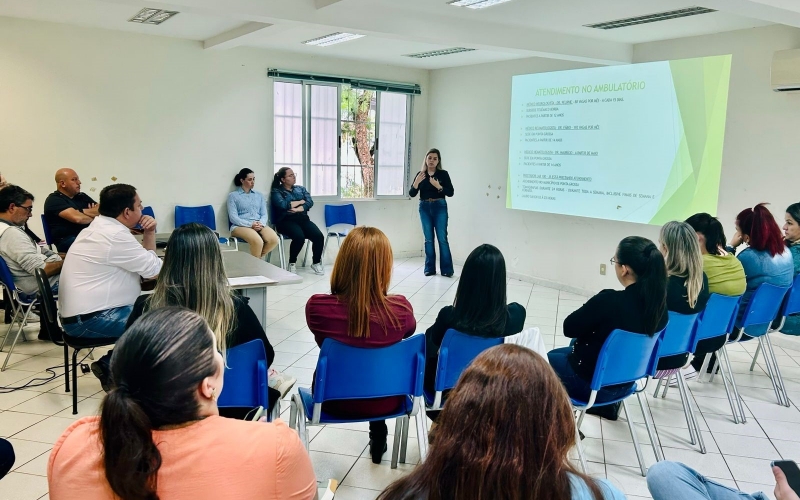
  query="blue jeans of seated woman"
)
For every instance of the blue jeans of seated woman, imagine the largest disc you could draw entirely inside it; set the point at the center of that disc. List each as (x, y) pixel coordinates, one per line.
(576, 386)
(673, 480)
(433, 215)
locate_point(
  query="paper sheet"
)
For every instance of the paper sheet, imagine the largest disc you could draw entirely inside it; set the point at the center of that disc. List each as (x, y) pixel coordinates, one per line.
(249, 280)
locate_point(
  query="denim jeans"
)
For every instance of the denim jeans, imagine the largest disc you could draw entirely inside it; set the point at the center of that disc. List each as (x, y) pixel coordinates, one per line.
(109, 323)
(672, 480)
(433, 215)
(578, 388)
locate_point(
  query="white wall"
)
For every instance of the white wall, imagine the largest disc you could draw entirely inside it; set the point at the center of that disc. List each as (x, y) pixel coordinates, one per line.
(469, 121)
(162, 114)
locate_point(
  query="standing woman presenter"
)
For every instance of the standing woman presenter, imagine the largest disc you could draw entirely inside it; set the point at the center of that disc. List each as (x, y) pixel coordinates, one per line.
(433, 184)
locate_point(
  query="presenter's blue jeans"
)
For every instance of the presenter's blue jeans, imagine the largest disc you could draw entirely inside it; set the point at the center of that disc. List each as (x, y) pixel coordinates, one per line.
(433, 215)
(673, 480)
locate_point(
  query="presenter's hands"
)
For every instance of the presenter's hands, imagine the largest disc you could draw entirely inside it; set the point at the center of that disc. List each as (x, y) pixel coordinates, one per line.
(435, 183)
(148, 224)
(782, 489)
(419, 178)
(736, 240)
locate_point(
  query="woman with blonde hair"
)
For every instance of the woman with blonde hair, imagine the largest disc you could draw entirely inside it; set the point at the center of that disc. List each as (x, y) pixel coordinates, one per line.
(687, 285)
(360, 312)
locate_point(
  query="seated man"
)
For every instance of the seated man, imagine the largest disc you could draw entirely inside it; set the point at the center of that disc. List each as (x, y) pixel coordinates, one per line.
(67, 210)
(101, 278)
(23, 255)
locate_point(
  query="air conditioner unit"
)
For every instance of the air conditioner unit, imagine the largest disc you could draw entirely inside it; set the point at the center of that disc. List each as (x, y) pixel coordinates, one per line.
(786, 71)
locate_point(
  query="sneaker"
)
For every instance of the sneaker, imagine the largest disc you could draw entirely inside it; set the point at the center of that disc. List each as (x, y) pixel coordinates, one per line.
(32, 318)
(689, 373)
(317, 268)
(99, 371)
(293, 268)
(280, 382)
(430, 273)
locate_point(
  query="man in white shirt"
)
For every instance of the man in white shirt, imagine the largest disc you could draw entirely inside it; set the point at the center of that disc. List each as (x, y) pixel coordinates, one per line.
(102, 273)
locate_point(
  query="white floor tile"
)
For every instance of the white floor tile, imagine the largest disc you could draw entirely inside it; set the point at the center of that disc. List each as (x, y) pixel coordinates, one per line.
(18, 486)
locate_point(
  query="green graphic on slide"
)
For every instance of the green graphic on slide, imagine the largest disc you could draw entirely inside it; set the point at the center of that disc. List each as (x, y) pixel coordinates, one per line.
(692, 185)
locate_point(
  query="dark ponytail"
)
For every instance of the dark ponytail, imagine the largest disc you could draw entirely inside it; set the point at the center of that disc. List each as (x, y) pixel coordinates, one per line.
(277, 179)
(645, 260)
(156, 367)
(711, 229)
(242, 175)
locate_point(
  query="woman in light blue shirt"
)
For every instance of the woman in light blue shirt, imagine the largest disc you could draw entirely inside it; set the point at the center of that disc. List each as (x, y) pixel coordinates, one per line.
(247, 213)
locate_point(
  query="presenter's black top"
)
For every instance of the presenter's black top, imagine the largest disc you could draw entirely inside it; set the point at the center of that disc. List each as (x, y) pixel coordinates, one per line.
(56, 203)
(446, 320)
(591, 325)
(428, 192)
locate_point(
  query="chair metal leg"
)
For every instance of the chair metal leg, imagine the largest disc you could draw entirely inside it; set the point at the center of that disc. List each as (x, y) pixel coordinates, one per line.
(736, 396)
(703, 368)
(755, 357)
(282, 252)
(770, 369)
(666, 388)
(301, 420)
(769, 351)
(325, 246)
(292, 414)
(422, 435)
(16, 337)
(276, 411)
(404, 438)
(581, 456)
(75, 381)
(305, 255)
(658, 387)
(725, 376)
(652, 432)
(398, 432)
(684, 398)
(66, 368)
(635, 438)
(687, 401)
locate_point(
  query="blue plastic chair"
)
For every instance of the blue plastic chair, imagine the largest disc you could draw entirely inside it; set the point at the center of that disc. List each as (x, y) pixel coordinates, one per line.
(48, 235)
(21, 305)
(346, 372)
(202, 215)
(680, 337)
(791, 305)
(337, 220)
(716, 322)
(761, 311)
(245, 382)
(457, 351)
(625, 358)
(149, 211)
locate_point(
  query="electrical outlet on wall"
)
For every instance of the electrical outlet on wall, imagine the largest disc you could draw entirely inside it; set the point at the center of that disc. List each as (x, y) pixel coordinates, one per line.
(603, 269)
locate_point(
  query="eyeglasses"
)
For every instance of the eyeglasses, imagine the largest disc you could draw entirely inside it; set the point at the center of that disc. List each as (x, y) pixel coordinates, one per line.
(29, 209)
(614, 260)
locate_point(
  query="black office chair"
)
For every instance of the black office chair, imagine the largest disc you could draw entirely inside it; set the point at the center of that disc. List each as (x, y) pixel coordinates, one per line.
(57, 334)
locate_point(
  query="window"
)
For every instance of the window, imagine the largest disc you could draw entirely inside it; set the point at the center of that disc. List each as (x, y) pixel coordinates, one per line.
(347, 142)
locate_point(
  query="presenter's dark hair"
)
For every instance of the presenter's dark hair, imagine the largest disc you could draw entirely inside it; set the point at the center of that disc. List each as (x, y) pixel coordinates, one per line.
(759, 224)
(278, 177)
(242, 175)
(711, 229)
(425, 162)
(156, 369)
(12, 194)
(647, 262)
(504, 433)
(480, 303)
(794, 211)
(115, 198)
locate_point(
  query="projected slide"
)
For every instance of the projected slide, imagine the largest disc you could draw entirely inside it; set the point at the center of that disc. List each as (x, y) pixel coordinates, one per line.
(637, 143)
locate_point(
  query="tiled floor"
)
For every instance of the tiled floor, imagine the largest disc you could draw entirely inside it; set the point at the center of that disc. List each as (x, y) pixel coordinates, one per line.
(738, 455)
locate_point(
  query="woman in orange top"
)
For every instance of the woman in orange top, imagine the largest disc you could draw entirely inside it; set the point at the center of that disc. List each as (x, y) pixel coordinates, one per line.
(160, 436)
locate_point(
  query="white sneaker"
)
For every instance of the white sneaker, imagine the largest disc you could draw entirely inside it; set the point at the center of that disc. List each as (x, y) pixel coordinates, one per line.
(280, 382)
(32, 318)
(293, 268)
(317, 268)
(689, 373)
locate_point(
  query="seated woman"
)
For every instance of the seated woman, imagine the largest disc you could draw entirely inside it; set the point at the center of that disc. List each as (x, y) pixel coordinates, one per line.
(725, 277)
(159, 433)
(247, 213)
(791, 233)
(479, 308)
(640, 308)
(193, 276)
(290, 206)
(360, 312)
(507, 405)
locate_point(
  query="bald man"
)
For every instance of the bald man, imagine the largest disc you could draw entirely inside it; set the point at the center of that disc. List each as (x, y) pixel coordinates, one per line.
(68, 210)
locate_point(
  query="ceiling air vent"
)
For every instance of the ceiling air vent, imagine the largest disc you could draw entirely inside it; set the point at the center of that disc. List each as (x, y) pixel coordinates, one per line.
(650, 18)
(437, 53)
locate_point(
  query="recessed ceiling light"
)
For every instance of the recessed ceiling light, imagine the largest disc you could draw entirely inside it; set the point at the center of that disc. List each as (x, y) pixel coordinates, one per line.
(436, 53)
(651, 18)
(476, 4)
(332, 39)
(152, 16)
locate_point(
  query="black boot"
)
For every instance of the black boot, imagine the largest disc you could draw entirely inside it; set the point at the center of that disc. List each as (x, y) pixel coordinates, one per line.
(377, 440)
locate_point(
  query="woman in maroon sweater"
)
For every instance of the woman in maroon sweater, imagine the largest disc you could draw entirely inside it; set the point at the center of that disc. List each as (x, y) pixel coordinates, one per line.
(360, 312)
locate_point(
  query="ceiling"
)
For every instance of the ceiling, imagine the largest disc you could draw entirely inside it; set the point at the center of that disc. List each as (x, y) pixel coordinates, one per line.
(394, 28)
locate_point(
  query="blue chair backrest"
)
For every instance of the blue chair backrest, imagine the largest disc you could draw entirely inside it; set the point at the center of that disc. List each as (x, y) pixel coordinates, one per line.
(346, 372)
(679, 336)
(48, 236)
(792, 303)
(626, 357)
(245, 382)
(6, 278)
(202, 215)
(717, 318)
(149, 211)
(762, 308)
(457, 351)
(340, 214)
